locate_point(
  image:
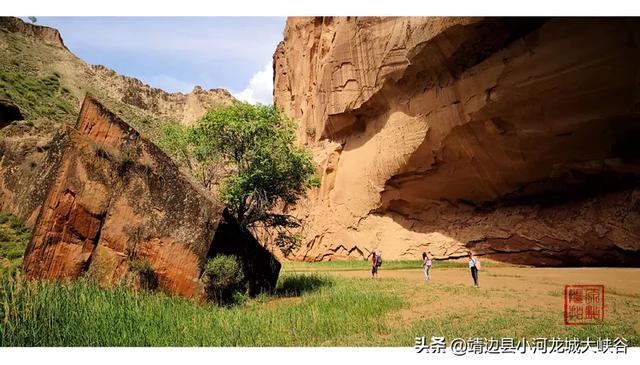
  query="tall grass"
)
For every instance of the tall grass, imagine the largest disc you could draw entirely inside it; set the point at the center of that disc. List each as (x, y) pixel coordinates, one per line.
(336, 312)
(305, 310)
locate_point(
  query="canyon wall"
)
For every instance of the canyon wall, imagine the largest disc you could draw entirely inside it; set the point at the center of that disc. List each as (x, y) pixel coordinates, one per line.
(515, 138)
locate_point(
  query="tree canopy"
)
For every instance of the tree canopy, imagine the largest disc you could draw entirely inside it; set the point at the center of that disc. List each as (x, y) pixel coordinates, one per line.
(253, 148)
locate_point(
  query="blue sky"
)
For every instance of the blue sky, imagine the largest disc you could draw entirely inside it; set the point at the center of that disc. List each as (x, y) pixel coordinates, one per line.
(175, 54)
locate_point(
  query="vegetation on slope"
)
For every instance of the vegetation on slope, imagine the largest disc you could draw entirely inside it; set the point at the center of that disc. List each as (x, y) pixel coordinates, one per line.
(49, 83)
(14, 238)
(38, 96)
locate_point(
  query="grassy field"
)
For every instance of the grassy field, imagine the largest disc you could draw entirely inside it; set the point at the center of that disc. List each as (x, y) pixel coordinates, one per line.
(309, 309)
(315, 304)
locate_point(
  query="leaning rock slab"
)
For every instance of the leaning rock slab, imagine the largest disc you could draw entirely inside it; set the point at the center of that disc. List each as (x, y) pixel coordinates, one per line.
(118, 198)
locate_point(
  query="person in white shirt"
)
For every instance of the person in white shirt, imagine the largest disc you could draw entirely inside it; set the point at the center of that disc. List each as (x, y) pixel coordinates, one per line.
(474, 265)
(426, 266)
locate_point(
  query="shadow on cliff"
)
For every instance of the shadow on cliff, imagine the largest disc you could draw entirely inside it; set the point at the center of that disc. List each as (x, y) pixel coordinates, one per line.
(429, 68)
(594, 223)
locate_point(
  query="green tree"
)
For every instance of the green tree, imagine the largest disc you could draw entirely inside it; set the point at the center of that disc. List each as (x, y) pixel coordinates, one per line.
(264, 170)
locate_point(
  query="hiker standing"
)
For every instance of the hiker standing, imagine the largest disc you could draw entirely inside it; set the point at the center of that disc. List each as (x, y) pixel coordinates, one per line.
(474, 265)
(426, 266)
(374, 264)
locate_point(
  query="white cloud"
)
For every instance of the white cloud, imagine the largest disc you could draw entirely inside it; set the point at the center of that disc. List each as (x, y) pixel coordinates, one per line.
(260, 88)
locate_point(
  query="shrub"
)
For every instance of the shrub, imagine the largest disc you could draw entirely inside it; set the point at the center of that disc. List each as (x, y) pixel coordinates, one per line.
(145, 275)
(224, 279)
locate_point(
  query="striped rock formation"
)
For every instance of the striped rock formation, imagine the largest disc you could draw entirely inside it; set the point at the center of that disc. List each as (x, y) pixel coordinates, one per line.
(515, 138)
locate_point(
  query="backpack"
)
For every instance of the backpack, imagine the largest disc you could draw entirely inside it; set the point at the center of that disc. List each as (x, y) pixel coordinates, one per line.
(378, 261)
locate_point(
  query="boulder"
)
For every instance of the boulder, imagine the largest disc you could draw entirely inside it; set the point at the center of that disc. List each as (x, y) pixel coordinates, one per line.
(118, 201)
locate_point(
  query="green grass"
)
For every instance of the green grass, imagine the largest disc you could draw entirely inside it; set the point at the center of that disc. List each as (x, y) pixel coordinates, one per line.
(14, 238)
(338, 312)
(307, 309)
(358, 265)
(38, 97)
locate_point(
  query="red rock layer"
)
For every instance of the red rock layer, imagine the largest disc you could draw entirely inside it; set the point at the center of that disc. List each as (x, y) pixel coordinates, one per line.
(117, 199)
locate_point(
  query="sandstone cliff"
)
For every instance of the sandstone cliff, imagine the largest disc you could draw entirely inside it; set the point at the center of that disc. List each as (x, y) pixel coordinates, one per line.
(511, 137)
(40, 33)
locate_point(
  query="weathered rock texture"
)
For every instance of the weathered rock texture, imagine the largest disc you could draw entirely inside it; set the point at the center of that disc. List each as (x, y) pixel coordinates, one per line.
(516, 138)
(47, 35)
(29, 156)
(117, 198)
(116, 201)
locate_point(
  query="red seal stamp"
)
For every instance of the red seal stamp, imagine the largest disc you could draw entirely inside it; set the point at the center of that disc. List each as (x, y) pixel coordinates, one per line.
(583, 304)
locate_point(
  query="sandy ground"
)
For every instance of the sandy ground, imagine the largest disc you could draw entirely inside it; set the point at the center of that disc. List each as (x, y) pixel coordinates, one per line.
(451, 290)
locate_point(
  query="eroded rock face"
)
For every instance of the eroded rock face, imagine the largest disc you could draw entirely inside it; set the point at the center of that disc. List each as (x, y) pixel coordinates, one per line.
(184, 108)
(41, 33)
(511, 137)
(117, 198)
(29, 156)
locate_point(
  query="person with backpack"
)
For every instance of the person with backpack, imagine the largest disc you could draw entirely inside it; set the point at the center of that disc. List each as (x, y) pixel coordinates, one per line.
(376, 262)
(426, 266)
(474, 266)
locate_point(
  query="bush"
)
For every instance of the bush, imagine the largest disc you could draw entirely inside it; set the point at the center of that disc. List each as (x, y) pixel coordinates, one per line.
(224, 279)
(146, 278)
